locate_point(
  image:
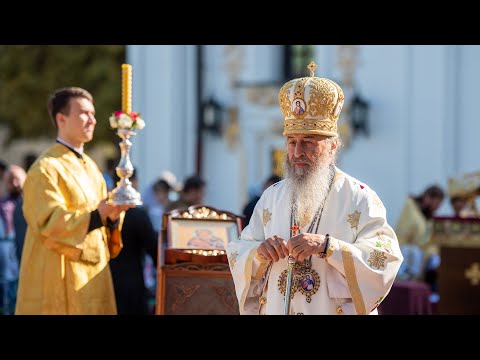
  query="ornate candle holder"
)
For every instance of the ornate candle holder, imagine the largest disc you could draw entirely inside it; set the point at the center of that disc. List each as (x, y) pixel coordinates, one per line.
(124, 193)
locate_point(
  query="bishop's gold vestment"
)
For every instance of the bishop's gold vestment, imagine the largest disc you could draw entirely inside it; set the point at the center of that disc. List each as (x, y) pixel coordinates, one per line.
(64, 269)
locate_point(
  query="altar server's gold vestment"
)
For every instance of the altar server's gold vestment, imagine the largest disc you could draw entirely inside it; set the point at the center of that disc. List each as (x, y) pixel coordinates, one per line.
(64, 269)
(361, 263)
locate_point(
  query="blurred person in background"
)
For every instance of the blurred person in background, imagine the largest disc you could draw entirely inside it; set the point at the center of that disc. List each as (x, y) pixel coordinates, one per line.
(161, 189)
(28, 160)
(14, 178)
(248, 209)
(148, 196)
(3, 167)
(139, 240)
(193, 193)
(109, 172)
(464, 207)
(414, 229)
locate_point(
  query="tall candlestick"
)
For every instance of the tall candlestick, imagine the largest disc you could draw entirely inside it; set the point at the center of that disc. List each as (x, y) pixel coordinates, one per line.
(124, 193)
(127, 88)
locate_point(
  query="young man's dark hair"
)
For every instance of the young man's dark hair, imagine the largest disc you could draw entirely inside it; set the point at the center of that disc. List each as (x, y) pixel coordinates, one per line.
(59, 101)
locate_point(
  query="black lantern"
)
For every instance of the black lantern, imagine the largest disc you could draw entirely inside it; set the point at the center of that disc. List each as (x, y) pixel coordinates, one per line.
(359, 115)
(212, 116)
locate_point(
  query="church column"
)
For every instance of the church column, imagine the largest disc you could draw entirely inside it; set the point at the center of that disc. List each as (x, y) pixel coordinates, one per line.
(260, 116)
(263, 64)
(164, 93)
(428, 163)
(464, 100)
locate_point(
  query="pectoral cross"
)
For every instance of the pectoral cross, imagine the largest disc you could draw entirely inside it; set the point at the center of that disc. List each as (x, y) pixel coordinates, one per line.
(294, 229)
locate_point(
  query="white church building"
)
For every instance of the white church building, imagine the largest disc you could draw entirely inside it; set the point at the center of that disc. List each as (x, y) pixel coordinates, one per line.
(213, 109)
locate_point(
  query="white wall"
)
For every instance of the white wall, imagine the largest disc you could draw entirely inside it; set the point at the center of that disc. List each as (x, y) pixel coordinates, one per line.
(380, 160)
(423, 119)
(226, 169)
(164, 91)
(220, 164)
(465, 108)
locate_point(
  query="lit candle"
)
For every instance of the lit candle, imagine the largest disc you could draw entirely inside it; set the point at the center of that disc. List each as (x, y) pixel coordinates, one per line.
(127, 88)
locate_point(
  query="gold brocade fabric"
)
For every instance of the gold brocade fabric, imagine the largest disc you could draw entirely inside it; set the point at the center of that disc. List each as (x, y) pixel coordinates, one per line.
(64, 270)
(412, 226)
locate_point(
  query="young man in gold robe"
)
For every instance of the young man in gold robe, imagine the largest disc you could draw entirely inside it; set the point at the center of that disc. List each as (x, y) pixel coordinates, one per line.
(72, 232)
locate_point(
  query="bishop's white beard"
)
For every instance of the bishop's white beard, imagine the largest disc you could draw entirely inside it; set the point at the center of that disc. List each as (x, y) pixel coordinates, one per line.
(309, 186)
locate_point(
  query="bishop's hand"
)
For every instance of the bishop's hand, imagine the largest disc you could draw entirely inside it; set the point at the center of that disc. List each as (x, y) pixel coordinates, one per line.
(303, 245)
(272, 249)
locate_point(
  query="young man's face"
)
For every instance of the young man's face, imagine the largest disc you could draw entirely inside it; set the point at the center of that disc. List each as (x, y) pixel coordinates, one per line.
(78, 126)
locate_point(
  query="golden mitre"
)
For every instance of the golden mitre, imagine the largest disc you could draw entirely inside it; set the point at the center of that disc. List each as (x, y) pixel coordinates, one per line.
(311, 105)
(467, 185)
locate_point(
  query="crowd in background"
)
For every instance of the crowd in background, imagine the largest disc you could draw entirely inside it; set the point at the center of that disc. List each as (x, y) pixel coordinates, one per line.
(134, 270)
(414, 231)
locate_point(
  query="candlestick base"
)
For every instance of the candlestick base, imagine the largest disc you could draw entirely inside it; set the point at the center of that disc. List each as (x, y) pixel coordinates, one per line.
(124, 193)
